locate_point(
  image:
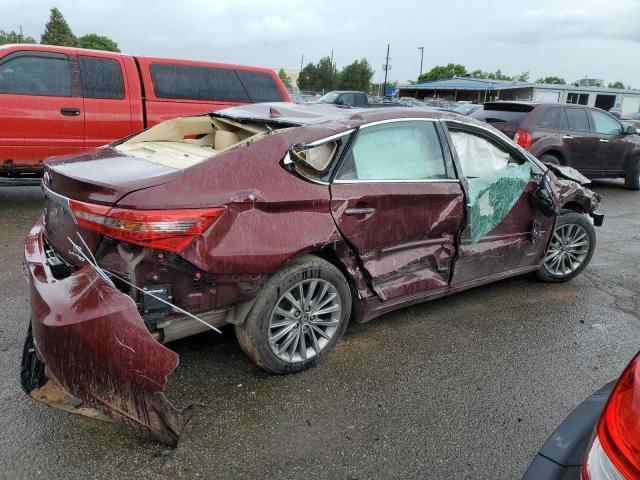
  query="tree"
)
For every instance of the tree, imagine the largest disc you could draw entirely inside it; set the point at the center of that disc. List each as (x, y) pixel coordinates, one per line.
(307, 77)
(523, 77)
(15, 37)
(497, 75)
(97, 42)
(319, 77)
(326, 75)
(285, 80)
(617, 84)
(356, 76)
(551, 80)
(57, 31)
(444, 72)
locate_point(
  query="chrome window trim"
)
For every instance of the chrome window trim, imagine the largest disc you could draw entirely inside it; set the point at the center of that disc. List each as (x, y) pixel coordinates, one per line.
(393, 120)
(425, 180)
(326, 139)
(481, 127)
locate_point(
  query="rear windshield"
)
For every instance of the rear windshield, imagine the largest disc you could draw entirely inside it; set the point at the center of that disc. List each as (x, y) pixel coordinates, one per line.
(192, 82)
(502, 114)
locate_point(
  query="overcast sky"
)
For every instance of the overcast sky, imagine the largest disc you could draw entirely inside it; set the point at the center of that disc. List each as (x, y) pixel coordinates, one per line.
(568, 38)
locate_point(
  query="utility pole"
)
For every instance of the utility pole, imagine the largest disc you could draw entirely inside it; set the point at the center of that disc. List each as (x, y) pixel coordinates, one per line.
(386, 69)
(332, 85)
(421, 57)
(301, 62)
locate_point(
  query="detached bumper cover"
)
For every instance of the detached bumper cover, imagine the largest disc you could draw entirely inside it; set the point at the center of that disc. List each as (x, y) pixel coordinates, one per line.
(560, 458)
(95, 357)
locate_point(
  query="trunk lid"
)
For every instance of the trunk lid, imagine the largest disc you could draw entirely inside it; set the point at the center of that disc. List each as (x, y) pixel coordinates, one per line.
(101, 177)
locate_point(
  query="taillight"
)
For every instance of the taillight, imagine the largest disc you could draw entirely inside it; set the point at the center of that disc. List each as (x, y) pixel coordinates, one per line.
(170, 230)
(523, 138)
(615, 452)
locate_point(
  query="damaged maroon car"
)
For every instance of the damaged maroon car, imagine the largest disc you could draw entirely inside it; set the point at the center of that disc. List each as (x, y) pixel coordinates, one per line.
(285, 221)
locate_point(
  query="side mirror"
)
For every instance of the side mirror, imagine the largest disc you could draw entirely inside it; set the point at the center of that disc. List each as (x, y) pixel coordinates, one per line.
(630, 130)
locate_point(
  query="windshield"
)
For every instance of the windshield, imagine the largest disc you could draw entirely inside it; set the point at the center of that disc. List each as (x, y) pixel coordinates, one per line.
(464, 109)
(329, 97)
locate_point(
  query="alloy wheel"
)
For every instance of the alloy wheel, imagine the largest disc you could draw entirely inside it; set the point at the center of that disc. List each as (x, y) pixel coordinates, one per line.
(567, 251)
(304, 320)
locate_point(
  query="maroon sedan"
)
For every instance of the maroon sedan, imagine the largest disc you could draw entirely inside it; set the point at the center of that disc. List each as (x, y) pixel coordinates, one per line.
(285, 221)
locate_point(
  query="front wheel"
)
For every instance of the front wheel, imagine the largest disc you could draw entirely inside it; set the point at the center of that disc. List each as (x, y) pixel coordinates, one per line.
(570, 250)
(299, 315)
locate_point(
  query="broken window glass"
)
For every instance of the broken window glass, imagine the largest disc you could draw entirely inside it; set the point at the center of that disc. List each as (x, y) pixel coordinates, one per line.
(496, 180)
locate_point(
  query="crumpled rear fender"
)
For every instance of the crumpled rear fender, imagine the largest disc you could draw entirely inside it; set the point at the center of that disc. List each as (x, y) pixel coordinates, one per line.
(99, 358)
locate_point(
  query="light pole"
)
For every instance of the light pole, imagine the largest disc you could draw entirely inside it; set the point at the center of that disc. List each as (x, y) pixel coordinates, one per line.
(421, 57)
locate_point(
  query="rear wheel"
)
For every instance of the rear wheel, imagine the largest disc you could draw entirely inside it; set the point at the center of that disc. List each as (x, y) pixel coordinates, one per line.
(299, 315)
(570, 250)
(632, 178)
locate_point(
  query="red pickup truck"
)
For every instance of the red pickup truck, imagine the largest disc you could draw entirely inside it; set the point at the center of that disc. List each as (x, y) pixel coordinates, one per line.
(59, 100)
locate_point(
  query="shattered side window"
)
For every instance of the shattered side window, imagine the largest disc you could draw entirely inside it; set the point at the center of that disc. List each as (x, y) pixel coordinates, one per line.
(496, 180)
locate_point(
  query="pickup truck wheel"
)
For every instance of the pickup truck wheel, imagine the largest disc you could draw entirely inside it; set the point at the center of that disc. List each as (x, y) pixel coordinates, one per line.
(549, 158)
(570, 249)
(632, 178)
(299, 315)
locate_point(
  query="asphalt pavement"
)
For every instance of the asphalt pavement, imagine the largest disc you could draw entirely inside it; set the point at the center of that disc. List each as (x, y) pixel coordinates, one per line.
(468, 386)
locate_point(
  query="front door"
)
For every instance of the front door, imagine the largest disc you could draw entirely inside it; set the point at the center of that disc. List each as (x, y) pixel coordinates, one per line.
(613, 148)
(396, 201)
(504, 233)
(40, 109)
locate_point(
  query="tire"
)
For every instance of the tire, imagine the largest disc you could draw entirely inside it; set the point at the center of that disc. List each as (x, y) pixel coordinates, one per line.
(549, 158)
(258, 335)
(632, 178)
(560, 265)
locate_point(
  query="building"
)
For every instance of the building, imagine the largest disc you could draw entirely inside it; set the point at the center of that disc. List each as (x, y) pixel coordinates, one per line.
(480, 90)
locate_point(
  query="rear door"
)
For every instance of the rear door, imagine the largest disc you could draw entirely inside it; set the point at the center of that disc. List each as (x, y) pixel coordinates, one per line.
(107, 108)
(578, 140)
(613, 149)
(504, 233)
(396, 201)
(41, 110)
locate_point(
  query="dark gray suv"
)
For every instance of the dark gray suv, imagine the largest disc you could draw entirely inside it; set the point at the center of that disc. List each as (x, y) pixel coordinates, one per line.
(585, 138)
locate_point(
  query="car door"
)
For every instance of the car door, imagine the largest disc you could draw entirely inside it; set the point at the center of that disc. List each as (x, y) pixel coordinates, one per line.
(107, 109)
(578, 140)
(613, 148)
(347, 99)
(397, 202)
(40, 108)
(504, 234)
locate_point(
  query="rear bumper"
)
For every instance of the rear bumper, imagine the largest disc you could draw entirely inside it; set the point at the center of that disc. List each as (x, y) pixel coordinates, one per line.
(91, 352)
(560, 458)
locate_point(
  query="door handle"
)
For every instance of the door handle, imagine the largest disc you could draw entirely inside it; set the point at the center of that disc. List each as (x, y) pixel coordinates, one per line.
(603, 140)
(567, 137)
(70, 112)
(359, 211)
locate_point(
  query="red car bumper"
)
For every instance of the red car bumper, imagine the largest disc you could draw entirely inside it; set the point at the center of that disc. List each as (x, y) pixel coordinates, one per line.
(91, 352)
